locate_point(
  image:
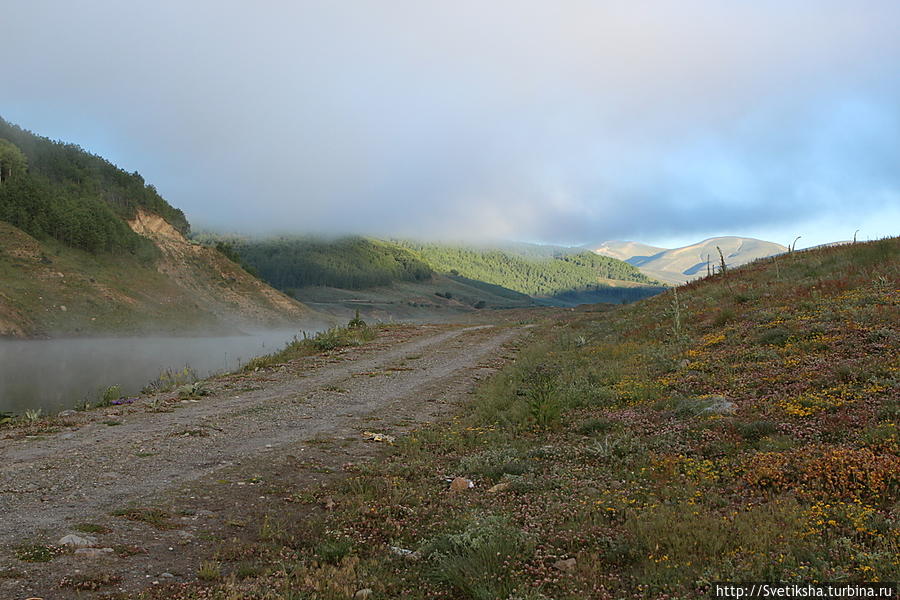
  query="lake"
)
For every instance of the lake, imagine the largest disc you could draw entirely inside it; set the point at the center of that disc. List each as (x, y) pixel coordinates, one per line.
(62, 373)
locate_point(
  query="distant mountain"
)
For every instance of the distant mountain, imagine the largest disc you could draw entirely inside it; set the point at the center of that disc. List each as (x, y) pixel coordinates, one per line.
(679, 265)
(626, 250)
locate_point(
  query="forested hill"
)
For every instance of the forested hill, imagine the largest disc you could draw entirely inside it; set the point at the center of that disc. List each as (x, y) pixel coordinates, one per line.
(530, 269)
(351, 263)
(357, 263)
(51, 189)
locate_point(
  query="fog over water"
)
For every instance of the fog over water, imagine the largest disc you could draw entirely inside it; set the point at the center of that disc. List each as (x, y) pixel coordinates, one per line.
(57, 374)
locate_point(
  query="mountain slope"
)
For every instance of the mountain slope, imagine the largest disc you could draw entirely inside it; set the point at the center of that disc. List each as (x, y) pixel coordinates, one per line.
(679, 265)
(49, 289)
(530, 269)
(388, 277)
(626, 250)
(86, 248)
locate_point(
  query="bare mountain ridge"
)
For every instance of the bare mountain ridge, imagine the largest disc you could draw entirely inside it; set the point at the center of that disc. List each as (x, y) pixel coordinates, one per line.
(679, 265)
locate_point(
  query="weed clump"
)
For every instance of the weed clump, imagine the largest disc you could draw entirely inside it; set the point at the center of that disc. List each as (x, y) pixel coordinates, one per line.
(331, 339)
(494, 463)
(38, 552)
(476, 561)
(155, 517)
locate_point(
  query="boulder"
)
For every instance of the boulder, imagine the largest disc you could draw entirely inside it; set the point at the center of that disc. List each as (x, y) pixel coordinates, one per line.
(720, 405)
(461, 484)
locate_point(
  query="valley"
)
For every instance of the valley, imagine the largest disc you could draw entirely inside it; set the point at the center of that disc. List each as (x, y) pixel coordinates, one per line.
(503, 420)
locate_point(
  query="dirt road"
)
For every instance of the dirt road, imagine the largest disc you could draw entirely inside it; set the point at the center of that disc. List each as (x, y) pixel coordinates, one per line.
(107, 460)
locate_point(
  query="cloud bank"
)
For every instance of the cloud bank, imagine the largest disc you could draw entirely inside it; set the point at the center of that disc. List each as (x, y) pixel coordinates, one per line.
(559, 121)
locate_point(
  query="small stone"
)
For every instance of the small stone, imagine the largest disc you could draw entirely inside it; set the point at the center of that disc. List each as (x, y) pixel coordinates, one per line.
(363, 594)
(565, 565)
(76, 541)
(328, 503)
(684, 363)
(720, 406)
(167, 575)
(405, 553)
(67, 413)
(500, 487)
(461, 484)
(63, 308)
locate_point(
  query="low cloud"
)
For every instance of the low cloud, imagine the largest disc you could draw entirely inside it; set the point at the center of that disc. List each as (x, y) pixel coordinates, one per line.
(564, 122)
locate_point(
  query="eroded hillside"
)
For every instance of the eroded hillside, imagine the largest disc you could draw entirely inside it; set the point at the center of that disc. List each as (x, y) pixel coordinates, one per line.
(51, 289)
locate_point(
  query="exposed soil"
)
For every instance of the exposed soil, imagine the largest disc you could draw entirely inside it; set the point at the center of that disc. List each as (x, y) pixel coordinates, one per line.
(214, 463)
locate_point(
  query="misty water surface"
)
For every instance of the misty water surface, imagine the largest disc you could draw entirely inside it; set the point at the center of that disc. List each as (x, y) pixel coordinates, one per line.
(58, 374)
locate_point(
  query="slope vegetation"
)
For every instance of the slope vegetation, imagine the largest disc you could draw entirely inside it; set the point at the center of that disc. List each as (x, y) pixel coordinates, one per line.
(351, 263)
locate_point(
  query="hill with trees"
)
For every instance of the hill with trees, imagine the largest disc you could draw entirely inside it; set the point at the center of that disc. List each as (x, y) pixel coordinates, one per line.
(51, 189)
(535, 270)
(352, 263)
(554, 274)
(88, 248)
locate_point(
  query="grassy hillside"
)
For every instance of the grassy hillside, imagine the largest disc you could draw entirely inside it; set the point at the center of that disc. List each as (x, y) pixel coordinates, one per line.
(528, 270)
(432, 300)
(739, 428)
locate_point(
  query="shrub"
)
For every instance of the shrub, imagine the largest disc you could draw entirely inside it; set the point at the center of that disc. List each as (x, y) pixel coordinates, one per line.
(209, 570)
(599, 425)
(333, 551)
(476, 561)
(542, 396)
(775, 336)
(356, 322)
(113, 392)
(193, 390)
(756, 430)
(494, 463)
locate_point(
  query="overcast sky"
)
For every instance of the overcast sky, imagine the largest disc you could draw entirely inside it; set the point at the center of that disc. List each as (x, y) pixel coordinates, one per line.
(557, 121)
